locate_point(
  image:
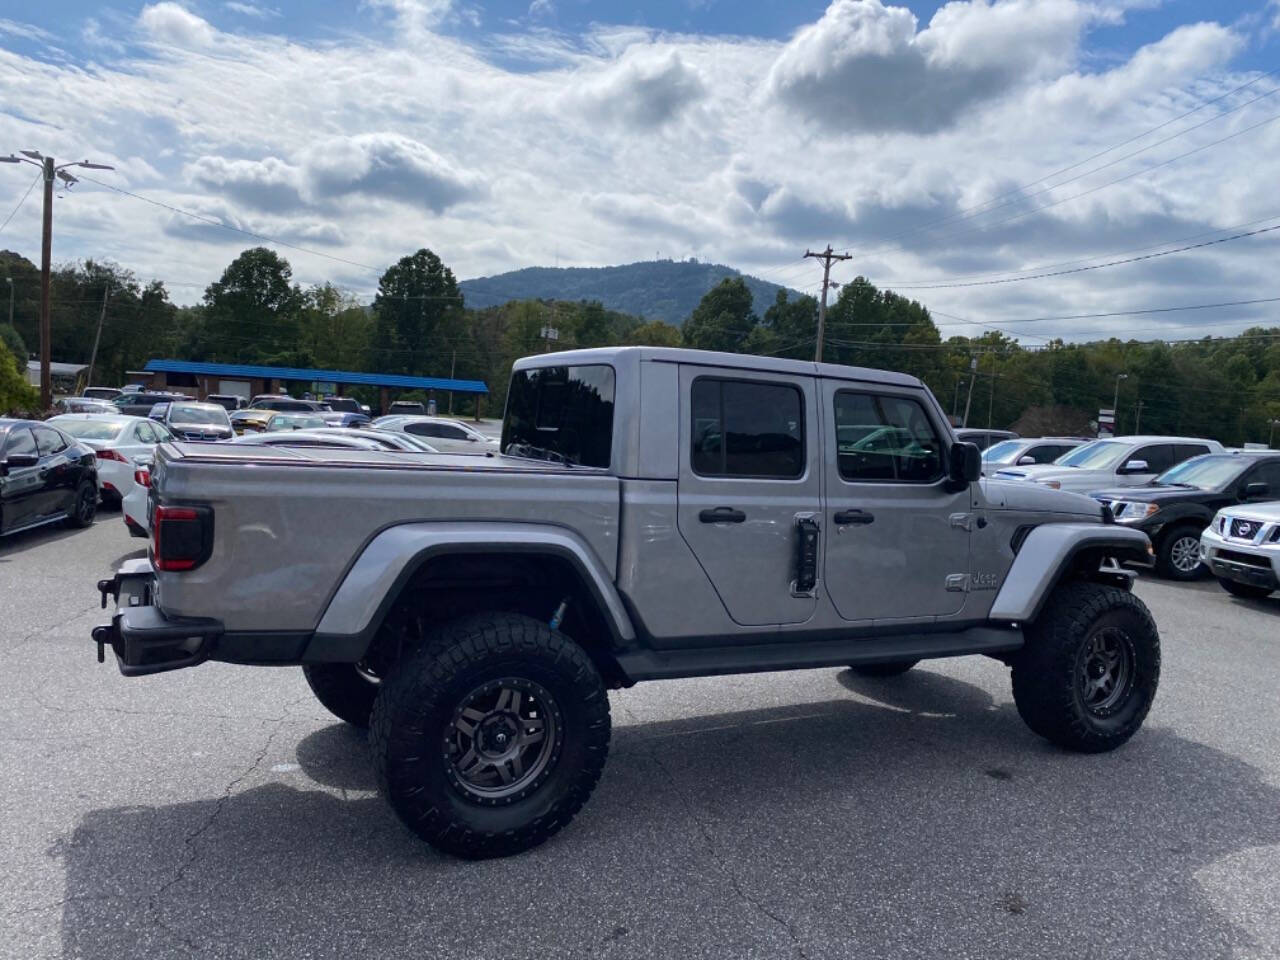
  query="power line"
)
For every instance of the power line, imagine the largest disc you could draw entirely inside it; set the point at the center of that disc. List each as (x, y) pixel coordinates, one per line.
(14, 211)
(1096, 266)
(226, 226)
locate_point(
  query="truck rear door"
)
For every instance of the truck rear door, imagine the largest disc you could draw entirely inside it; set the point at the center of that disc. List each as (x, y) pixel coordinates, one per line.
(749, 470)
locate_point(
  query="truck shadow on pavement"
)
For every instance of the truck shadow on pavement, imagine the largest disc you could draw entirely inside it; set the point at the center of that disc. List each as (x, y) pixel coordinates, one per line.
(916, 817)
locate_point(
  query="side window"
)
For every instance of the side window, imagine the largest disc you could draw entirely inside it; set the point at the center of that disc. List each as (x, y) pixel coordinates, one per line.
(1045, 454)
(145, 433)
(419, 429)
(883, 439)
(50, 441)
(1268, 473)
(1185, 451)
(1159, 457)
(20, 441)
(747, 429)
(451, 432)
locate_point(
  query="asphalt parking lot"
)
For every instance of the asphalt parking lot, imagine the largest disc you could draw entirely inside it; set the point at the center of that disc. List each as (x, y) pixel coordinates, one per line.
(221, 812)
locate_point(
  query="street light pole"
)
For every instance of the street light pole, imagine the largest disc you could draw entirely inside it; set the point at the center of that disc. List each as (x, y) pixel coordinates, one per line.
(1115, 403)
(50, 172)
(9, 281)
(1272, 435)
(973, 375)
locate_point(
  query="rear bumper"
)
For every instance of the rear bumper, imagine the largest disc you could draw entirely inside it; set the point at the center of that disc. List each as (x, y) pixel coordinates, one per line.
(142, 638)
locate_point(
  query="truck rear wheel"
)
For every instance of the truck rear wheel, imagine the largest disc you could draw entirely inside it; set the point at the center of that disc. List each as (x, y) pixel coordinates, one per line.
(895, 669)
(491, 737)
(1089, 671)
(344, 690)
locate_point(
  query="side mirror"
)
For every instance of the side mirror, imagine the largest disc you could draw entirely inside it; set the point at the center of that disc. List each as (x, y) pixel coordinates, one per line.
(1135, 466)
(1254, 491)
(964, 462)
(1026, 460)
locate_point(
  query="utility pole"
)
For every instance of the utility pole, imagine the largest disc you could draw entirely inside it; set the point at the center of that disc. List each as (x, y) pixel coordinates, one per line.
(973, 375)
(93, 357)
(1272, 435)
(991, 404)
(827, 258)
(1137, 420)
(50, 172)
(955, 397)
(453, 365)
(9, 280)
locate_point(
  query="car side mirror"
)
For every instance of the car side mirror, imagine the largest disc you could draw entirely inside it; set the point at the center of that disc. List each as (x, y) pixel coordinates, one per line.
(1026, 460)
(964, 463)
(1135, 466)
(1254, 491)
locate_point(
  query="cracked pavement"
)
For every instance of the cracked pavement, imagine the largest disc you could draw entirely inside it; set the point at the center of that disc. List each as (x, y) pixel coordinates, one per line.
(221, 812)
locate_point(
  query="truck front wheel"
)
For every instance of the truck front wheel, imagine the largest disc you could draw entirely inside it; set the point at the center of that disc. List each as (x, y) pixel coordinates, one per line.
(1089, 671)
(491, 737)
(344, 690)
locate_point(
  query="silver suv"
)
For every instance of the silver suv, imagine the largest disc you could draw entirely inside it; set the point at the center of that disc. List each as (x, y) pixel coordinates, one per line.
(653, 513)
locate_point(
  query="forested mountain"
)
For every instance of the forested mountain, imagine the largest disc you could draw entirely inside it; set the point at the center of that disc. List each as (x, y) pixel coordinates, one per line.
(666, 290)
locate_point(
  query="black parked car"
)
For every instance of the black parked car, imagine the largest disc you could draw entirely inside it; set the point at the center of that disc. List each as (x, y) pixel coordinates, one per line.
(1175, 507)
(45, 476)
(984, 437)
(139, 403)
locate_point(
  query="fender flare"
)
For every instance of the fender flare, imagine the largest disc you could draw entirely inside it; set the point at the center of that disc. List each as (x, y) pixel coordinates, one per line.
(369, 587)
(1046, 554)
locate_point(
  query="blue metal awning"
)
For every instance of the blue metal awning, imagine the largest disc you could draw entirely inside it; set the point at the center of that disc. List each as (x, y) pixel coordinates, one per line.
(242, 370)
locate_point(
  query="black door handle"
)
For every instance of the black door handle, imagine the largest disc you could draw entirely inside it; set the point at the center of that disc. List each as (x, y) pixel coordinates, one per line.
(722, 515)
(854, 516)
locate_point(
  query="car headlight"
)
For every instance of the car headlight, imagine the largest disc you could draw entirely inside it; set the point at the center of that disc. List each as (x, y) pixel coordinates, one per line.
(1131, 511)
(1051, 484)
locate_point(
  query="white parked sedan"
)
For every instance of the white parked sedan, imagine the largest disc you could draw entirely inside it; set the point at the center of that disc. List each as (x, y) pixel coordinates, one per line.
(133, 508)
(446, 435)
(118, 442)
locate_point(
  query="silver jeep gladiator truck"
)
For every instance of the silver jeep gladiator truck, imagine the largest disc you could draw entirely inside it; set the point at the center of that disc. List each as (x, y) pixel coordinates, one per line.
(653, 513)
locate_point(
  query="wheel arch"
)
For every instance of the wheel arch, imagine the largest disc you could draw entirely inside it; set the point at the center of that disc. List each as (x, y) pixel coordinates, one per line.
(449, 569)
(1057, 552)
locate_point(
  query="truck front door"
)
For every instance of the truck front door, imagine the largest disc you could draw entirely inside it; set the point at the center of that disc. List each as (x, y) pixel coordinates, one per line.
(749, 470)
(896, 533)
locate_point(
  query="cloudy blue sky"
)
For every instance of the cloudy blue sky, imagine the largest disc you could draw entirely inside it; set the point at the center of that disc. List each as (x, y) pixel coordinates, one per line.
(958, 150)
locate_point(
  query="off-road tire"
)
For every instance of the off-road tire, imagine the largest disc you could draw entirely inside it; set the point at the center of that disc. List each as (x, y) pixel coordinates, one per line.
(1050, 678)
(343, 691)
(1246, 591)
(1181, 538)
(84, 505)
(895, 669)
(418, 707)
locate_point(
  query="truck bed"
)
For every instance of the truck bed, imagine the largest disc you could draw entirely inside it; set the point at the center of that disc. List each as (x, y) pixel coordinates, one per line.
(289, 522)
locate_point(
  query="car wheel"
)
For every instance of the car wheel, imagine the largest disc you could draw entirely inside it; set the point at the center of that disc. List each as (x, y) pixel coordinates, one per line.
(1246, 591)
(894, 669)
(84, 506)
(490, 738)
(1178, 556)
(1089, 671)
(344, 689)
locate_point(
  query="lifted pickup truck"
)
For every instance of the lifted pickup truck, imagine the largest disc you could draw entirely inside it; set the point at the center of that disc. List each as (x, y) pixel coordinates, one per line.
(654, 513)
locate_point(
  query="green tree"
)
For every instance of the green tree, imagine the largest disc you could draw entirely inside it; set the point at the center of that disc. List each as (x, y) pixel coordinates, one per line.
(252, 311)
(16, 395)
(724, 318)
(417, 317)
(656, 333)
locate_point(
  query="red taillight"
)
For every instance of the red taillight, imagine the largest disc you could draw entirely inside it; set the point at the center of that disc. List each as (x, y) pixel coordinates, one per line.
(142, 477)
(182, 537)
(115, 455)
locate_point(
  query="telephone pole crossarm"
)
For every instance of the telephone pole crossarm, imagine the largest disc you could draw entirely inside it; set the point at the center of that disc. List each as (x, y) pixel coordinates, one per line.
(827, 257)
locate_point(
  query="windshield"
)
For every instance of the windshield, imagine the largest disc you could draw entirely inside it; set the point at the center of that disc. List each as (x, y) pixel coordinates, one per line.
(1006, 451)
(91, 429)
(561, 414)
(1204, 473)
(1099, 455)
(213, 415)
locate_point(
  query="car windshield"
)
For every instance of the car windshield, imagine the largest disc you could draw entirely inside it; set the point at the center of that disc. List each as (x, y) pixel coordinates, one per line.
(214, 415)
(91, 429)
(1006, 451)
(1204, 473)
(1099, 455)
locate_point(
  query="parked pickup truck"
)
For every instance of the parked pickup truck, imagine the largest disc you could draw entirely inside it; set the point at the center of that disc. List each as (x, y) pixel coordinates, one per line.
(654, 513)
